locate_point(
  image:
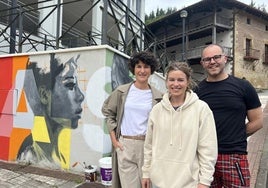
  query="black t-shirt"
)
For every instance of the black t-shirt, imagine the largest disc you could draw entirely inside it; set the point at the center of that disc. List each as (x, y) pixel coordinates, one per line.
(229, 100)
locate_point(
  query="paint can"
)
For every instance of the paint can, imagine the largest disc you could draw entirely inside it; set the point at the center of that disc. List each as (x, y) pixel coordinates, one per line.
(106, 170)
(90, 173)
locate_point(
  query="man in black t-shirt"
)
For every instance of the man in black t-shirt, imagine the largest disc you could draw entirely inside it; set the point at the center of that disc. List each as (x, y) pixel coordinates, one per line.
(232, 100)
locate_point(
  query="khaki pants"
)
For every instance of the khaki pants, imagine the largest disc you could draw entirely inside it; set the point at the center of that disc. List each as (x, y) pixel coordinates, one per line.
(130, 162)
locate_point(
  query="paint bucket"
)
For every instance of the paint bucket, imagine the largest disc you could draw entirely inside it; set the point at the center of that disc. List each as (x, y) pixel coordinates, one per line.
(106, 170)
(90, 173)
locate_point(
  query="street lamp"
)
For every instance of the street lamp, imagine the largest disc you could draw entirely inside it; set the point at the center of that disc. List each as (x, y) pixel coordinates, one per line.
(183, 15)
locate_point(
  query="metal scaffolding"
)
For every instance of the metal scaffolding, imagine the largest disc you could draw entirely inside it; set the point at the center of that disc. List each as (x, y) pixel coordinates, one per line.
(22, 25)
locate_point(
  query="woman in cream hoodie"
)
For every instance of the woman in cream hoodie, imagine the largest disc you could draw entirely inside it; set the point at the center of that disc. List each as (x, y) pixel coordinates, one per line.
(180, 148)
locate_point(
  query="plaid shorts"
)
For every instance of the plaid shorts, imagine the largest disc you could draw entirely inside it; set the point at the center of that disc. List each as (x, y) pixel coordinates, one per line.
(231, 171)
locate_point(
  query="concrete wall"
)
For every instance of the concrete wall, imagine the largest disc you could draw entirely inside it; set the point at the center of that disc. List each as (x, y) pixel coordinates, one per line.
(50, 105)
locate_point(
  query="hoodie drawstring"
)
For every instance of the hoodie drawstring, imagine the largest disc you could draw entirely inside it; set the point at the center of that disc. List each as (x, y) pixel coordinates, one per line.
(171, 129)
(180, 128)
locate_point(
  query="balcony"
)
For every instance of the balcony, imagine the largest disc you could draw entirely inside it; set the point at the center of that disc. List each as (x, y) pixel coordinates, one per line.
(208, 21)
(196, 52)
(251, 54)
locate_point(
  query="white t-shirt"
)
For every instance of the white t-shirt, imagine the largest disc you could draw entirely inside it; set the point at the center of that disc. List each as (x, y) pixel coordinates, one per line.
(137, 108)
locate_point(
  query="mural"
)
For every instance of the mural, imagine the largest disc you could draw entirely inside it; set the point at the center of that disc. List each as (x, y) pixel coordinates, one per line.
(50, 106)
(55, 99)
(10, 136)
(120, 72)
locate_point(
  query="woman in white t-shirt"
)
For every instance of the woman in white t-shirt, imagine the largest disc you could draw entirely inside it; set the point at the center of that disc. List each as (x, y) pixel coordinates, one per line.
(127, 110)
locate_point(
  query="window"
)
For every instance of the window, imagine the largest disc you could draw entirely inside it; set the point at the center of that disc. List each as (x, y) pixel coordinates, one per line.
(248, 46)
(248, 21)
(266, 54)
(250, 53)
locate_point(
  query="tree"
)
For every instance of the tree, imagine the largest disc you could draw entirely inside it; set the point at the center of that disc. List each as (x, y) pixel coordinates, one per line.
(160, 13)
(261, 7)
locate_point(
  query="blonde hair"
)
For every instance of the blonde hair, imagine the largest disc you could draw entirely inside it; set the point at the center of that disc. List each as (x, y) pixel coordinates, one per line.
(185, 68)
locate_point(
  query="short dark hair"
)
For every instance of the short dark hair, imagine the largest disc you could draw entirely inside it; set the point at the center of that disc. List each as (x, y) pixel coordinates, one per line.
(146, 57)
(47, 78)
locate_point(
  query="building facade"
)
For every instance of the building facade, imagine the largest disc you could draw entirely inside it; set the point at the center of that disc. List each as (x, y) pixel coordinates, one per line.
(241, 29)
(37, 25)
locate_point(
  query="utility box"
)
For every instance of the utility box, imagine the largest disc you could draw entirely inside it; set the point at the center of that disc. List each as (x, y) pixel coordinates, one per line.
(50, 105)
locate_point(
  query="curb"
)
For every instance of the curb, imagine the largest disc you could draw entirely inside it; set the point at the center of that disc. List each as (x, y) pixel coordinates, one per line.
(262, 177)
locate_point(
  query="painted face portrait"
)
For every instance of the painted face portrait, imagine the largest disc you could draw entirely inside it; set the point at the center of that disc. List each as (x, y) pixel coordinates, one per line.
(55, 98)
(120, 71)
(66, 96)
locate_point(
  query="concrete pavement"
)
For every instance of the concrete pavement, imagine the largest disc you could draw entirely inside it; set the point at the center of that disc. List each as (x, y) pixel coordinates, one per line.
(24, 176)
(258, 149)
(261, 166)
(14, 175)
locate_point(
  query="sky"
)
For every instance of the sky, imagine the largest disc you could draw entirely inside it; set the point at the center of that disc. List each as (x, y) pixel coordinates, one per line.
(151, 5)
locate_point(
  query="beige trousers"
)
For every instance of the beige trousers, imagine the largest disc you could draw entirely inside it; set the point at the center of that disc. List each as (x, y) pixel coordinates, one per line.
(130, 162)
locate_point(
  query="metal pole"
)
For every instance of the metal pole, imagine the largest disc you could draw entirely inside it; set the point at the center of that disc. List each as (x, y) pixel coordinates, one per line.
(45, 45)
(20, 30)
(183, 39)
(126, 49)
(13, 27)
(155, 46)
(58, 25)
(183, 15)
(104, 22)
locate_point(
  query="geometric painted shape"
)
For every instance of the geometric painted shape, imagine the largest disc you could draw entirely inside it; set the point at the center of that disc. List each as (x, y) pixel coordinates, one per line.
(24, 120)
(3, 97)
(4, 147)
(8, 101)
(5, 73)
(95, 92)
(22, 107)
(19, 80)
(6, 124)
(96, 132)
(64, 145)
(32, 93)
(18, 63)
(39, 131)
(16, 138)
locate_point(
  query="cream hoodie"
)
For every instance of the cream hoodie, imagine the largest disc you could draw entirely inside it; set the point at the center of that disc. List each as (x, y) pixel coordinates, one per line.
(180, 149)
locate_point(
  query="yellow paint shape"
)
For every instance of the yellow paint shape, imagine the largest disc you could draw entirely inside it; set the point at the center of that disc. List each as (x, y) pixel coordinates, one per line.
(22, 107)
(39, 131)
(64, 144)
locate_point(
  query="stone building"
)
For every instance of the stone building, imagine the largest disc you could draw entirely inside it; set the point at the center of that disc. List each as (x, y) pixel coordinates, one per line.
(241, 29)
